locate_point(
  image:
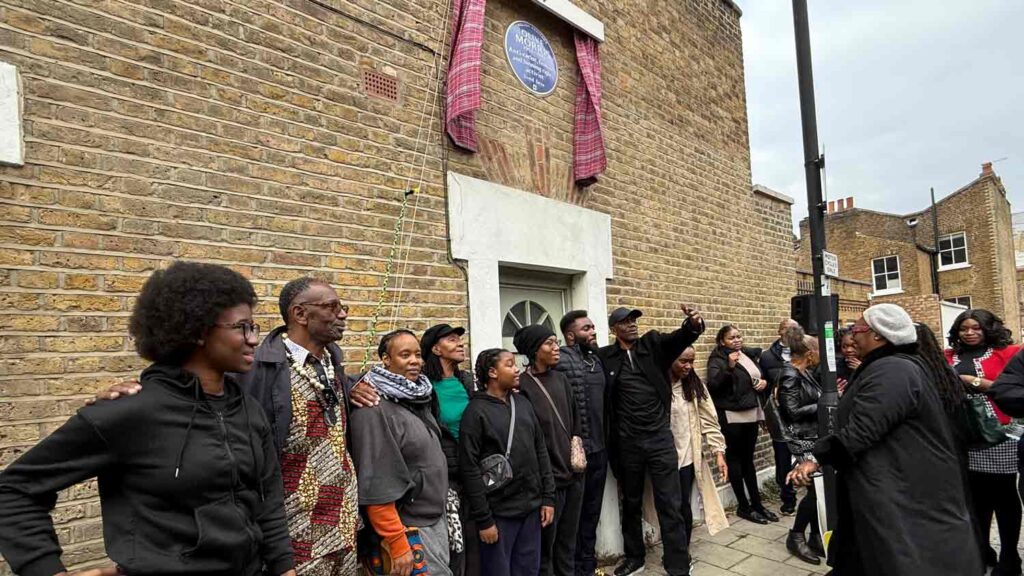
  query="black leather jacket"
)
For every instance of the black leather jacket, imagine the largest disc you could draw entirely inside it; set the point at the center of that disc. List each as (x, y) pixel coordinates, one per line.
(798, 402)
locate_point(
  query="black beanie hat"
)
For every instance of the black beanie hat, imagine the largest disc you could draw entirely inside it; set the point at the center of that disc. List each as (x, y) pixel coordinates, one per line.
(529, 338)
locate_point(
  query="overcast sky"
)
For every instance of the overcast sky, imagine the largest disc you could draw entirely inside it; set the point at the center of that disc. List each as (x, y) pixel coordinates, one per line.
(910, 94)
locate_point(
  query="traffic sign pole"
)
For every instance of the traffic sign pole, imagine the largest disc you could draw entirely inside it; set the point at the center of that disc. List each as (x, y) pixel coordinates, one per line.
(813, 165)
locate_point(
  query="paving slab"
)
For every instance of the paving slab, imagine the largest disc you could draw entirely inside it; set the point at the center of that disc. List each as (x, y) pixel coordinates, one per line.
(702, 569)
(762, 548)
(757, 566)
(716, 555)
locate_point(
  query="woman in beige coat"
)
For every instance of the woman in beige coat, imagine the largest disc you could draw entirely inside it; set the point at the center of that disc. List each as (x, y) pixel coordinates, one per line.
(694, 418)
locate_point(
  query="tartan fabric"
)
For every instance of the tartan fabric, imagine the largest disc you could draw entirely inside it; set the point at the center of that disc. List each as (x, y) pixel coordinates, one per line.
(588, 155)
(462, 97)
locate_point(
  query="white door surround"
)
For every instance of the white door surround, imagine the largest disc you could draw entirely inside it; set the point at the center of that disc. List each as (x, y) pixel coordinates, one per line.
(491, 225)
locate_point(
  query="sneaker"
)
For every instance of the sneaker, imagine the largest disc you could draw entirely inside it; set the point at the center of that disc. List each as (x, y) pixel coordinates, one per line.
(754, 516)
(630, 567)
(788, 509)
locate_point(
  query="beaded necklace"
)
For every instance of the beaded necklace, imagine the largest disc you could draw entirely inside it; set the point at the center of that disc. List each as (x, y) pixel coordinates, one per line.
(306, 370)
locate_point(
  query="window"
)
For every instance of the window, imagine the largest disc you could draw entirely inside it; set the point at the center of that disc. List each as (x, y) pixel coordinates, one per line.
(886, 273)
(961, 300)
(953, 251)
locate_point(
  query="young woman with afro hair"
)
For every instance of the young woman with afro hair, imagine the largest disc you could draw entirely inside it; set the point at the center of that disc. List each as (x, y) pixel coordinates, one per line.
(188, 475)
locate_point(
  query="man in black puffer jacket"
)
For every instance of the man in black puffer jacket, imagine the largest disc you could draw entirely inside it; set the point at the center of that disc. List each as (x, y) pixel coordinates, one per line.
(585, 372)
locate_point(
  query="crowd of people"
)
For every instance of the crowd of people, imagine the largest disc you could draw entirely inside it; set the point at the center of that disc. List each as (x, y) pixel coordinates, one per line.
(235, 456)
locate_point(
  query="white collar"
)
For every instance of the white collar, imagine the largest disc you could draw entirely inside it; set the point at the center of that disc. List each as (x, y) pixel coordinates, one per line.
(299, 352)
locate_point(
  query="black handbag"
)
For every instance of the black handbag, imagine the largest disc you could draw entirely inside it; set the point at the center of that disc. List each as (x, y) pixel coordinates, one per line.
(496, 469)
(773, 419)
(981, 423)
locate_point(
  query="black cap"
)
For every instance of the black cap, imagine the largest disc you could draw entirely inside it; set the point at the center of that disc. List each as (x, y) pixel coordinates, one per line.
(620, 314)
(435, 334)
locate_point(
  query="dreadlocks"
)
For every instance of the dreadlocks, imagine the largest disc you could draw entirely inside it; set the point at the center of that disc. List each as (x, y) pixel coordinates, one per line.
(951, 391)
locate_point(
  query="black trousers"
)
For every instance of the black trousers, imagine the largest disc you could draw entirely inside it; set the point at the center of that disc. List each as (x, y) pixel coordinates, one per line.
(517, 551)
(807, 512)
(558, 540)
(654, 454)
(783, 464)
(686, 474)
(590, 512)
(996, 494)
(740, 441)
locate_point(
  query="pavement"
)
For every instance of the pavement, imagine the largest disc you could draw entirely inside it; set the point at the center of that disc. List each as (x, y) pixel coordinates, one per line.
(746, 549)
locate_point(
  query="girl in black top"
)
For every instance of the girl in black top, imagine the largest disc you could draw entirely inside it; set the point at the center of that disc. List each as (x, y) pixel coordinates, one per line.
(507, 517)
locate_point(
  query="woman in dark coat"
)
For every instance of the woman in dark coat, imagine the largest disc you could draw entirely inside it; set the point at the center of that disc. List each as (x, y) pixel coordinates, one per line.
(443, 353)
(900, 494)
(734, 382)
(798, 394)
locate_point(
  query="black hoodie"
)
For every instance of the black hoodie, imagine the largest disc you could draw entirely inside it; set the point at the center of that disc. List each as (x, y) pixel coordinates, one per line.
(483, 432)
(188, 484)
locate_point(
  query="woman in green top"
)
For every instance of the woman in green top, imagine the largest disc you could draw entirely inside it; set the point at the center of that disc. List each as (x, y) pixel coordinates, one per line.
(443, 352)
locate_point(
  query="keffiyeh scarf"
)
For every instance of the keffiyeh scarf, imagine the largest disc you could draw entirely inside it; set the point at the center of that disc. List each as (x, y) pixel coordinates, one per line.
(395, 387)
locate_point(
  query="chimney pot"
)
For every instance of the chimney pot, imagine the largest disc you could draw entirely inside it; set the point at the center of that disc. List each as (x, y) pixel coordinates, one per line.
(841, 205)
(986, 169)
(831, 206)
(849, 202)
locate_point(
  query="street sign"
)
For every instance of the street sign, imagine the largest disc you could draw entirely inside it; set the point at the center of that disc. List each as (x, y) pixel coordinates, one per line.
(831, 262)
(826, 286)
(830, 346)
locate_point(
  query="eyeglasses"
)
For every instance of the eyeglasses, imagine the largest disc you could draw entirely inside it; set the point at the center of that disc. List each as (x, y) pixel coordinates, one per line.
(333, 306)
(859, 329)
(249, 329)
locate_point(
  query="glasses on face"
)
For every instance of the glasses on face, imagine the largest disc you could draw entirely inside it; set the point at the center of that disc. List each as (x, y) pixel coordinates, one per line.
(333, 306)
(859, 329)
(249, 329)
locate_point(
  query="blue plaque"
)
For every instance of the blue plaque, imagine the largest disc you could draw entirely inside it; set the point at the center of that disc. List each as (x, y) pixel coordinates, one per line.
(531, 58)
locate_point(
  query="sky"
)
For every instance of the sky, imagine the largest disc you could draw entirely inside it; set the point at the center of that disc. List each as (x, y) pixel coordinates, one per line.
(910, 95)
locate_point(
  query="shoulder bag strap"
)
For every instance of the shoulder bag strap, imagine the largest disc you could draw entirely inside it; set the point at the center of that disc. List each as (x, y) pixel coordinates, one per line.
(511, 424)
(550, 401)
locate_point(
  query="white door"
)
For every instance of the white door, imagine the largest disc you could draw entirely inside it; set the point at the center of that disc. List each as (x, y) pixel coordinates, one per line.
(535, 301)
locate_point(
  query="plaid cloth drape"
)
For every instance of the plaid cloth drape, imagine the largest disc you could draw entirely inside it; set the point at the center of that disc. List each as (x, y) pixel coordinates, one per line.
(463, 90)
(588, 155)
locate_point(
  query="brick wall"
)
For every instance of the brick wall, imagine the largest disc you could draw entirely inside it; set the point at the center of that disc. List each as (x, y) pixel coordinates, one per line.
(923, 308)
(240, 133)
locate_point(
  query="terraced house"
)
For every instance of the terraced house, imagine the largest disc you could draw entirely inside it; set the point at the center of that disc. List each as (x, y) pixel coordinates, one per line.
(893, 258)
(283, 137)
